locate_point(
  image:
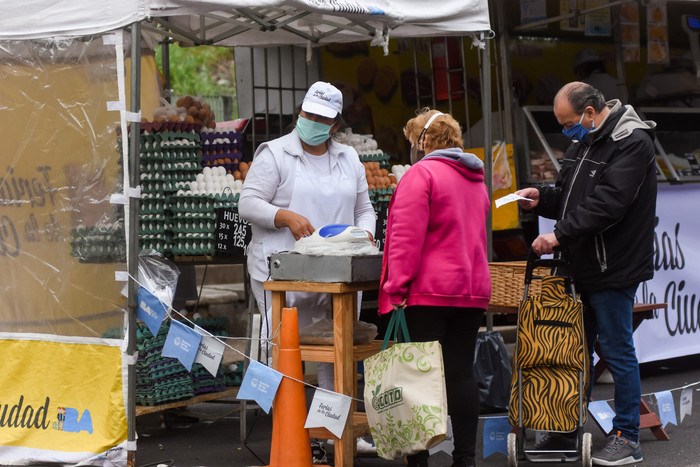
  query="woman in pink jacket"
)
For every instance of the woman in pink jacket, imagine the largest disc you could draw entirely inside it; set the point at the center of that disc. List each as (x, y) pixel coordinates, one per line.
(436, 264)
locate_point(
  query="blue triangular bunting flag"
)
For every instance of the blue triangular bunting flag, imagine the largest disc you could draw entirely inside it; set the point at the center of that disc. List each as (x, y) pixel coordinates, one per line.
(496, 431)
(603, 414)
(260, 384)
(667, 409)
(182, 342)
(150, 310)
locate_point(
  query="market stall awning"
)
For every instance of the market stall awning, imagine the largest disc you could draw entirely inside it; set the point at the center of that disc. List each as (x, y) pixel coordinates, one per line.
(248, 22)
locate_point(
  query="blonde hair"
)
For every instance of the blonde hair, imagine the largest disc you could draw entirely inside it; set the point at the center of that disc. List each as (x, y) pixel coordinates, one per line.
(444, 132)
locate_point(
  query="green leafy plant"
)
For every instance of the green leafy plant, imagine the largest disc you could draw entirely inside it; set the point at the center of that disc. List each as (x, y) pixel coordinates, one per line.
(201, 71)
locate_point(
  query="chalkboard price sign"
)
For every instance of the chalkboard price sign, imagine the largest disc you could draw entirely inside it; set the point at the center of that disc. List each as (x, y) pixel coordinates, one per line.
(232, 232)
(380, 231)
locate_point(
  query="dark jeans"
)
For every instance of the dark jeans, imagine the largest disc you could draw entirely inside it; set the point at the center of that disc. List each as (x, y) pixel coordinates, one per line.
(608, 317)
(456, 329)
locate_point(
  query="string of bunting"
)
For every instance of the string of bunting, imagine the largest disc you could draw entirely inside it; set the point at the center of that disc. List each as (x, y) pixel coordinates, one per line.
(194, 344)
(496, 428)
(330, 409)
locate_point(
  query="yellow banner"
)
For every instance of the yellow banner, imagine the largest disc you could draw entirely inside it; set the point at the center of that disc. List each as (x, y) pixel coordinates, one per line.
(63, 397)
(503, 182)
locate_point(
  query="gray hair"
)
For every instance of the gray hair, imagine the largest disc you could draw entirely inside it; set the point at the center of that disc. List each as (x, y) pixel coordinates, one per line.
(581, 95)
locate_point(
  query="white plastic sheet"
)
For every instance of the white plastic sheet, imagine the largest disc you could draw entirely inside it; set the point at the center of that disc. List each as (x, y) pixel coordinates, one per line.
(61, 240)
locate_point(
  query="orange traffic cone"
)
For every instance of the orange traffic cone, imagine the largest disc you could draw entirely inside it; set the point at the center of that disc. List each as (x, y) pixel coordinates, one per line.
(289, 408)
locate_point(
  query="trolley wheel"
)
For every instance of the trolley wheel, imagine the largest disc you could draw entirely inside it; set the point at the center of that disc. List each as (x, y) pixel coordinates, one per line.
(586, 459)
(512, 450)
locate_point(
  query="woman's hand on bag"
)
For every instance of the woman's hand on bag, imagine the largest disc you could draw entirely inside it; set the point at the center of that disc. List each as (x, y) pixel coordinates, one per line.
(531, 193)
(400, 305)
(297, 224)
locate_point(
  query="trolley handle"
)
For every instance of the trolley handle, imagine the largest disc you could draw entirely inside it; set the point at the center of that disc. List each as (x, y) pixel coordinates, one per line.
(534, 261)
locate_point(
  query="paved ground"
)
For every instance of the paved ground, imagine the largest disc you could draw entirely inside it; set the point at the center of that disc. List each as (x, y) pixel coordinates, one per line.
(213, 440)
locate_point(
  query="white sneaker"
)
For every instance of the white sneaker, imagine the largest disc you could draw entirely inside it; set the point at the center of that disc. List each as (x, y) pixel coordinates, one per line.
(363, 446)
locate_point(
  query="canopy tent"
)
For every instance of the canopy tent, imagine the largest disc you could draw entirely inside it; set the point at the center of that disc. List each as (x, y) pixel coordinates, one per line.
(247, 22)
(250, 23)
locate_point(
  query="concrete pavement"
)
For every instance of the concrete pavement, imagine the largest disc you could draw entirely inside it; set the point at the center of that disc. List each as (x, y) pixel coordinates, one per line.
(209, 435)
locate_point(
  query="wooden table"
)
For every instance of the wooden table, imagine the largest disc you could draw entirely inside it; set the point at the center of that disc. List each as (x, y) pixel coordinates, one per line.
(230, 392)
(342, 354)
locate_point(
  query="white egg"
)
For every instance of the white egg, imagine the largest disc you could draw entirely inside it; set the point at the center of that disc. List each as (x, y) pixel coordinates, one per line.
(206, 170)
(199, 177)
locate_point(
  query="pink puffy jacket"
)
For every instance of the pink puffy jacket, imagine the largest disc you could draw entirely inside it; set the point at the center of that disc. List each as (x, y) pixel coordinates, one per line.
(435, 251)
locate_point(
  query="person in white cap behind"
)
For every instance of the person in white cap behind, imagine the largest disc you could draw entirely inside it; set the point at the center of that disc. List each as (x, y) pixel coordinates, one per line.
(589, 67)
(296, 184)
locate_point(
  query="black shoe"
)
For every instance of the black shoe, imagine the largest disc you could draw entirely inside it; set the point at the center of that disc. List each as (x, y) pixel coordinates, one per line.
(557, 442)
(418, 460)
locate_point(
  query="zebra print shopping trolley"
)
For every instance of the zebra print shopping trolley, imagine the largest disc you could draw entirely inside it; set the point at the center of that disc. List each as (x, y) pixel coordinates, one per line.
(550, 368)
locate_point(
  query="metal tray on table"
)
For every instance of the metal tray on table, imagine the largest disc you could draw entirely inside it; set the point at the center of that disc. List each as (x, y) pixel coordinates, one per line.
(292, 266)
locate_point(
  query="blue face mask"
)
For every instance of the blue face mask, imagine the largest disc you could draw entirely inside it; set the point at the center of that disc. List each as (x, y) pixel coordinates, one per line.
(313, 133)
(578, 132)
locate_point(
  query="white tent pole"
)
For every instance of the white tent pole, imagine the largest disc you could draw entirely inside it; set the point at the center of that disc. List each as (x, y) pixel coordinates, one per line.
(132, 247)
(488, 161)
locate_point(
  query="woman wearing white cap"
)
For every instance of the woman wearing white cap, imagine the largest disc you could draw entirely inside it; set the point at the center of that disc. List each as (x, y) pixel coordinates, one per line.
(296, 184)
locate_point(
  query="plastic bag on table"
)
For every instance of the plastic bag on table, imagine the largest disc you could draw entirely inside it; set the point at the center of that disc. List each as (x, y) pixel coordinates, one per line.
(321, 333)
(159, 276)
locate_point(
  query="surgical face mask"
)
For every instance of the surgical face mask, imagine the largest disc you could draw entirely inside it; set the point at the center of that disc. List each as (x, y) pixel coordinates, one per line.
(313, 133)
(416, 153)
(578, 132)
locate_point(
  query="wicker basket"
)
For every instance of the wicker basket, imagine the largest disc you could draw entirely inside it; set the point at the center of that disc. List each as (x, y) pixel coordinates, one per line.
(508, 283)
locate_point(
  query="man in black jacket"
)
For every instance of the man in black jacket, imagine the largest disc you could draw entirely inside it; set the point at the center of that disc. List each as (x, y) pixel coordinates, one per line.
(604, 201)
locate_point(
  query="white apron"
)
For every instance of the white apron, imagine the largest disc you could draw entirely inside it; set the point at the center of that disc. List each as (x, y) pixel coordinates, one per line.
(323, 200)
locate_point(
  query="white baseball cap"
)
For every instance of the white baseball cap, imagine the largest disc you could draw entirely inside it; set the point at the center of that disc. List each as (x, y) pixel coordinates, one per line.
(323, 99)
(587, 56)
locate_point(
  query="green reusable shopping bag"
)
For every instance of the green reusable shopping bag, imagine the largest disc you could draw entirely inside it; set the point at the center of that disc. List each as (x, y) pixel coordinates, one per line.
(405, 395)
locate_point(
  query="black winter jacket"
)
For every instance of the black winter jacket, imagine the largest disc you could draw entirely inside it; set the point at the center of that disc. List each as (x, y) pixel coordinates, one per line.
(605, 202)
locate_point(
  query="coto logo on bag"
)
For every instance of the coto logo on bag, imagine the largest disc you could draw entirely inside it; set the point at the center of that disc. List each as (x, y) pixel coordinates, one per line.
(387, 399)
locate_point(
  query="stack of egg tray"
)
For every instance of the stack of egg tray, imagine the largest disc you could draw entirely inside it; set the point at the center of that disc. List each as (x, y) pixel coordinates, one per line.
(99, 244)
(222, 149)
(234, 374)
(379, 197)
(193, 221)
(204, 383)
(376, 156)
(168, 159)
(159, 379)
